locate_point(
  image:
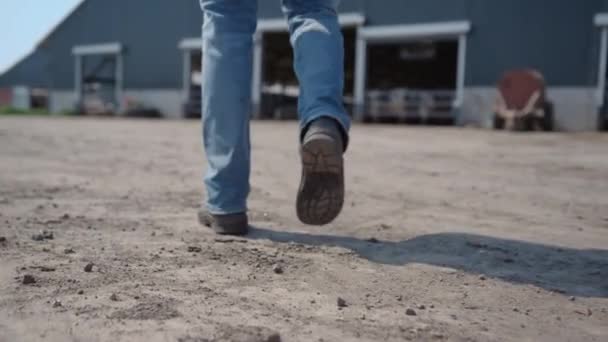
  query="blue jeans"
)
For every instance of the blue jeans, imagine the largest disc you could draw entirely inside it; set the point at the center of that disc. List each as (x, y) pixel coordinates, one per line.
(228, 31)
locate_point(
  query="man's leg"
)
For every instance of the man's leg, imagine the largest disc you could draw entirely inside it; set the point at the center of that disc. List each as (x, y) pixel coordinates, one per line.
(228, 31)
(319, 65)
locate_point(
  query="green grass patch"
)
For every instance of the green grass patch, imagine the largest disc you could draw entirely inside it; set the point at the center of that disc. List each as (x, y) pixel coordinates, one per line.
(8, 110)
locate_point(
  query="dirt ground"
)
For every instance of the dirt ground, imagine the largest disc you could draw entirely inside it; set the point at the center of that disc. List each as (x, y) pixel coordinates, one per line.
(448, 234)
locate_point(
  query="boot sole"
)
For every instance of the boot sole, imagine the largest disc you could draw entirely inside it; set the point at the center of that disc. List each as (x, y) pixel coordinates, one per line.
(321, 194)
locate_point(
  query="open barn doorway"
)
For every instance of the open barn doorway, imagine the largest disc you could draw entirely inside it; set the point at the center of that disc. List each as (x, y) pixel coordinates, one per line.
(98, 78)
(280, 89)
(413, 73)
(192, 84)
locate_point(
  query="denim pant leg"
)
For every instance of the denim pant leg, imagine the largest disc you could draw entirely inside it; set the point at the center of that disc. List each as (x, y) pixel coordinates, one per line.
(318, 45)
(228, 31)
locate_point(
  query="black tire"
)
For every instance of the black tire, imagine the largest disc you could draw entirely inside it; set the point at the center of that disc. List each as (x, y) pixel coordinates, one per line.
(525, 123)
(499, 123)
(547, 122)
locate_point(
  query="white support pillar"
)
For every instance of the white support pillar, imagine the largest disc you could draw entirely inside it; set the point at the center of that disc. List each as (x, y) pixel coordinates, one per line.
(78, 78)
(258, 74)
(186, 74)
(461, 70)
(601, 76)
(119, 82)
(360, 77)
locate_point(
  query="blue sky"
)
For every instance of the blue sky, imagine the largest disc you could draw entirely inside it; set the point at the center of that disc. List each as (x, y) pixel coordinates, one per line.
(25, 22)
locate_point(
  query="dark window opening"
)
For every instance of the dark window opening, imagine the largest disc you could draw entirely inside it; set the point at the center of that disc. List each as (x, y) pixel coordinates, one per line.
(413, 82)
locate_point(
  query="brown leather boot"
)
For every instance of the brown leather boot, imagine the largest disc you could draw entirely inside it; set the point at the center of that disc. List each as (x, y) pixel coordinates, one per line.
(321, 194)
(231, 224)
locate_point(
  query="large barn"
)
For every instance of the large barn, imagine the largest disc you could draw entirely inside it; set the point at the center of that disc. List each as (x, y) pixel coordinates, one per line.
(116, 55)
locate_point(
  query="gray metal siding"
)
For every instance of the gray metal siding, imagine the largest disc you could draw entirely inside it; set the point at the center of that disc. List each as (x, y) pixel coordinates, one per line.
(149, 30)
(394, 12)
(555, 36)
(31, 71)
(271, 9)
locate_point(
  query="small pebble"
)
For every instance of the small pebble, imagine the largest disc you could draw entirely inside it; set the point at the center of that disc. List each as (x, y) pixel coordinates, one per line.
(80, 292)
(65, 216)
(341, 303)
(43, 235)
(114, 297)
(372, 240)
(28, 279)
(2, 239)
(57, 304)
(410, 312)
(421, 307)
(68, 251)
(278, 269)
(482, 278)
(89, 267)
(572, 299)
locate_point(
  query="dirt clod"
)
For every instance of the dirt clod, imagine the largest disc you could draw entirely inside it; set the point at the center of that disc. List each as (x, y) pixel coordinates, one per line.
(43, 235)
(89, 267)
(28, 279)
(410, 312)
(194, 249)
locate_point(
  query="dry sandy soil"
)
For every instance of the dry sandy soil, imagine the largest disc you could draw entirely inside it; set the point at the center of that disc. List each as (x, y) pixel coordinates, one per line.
(447, 235)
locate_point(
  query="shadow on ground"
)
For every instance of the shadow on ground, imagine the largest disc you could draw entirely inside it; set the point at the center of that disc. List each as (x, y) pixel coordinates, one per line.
(568, 271)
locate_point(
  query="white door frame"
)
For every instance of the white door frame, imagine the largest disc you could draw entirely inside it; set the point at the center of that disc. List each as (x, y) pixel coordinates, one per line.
(402, 33)
(114, 48)
(188, 46)
(601, 21)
